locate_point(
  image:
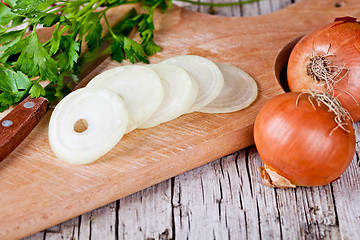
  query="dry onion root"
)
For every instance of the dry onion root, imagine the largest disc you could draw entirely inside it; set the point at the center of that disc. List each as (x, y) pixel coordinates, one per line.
(299, 141)
(328, 60)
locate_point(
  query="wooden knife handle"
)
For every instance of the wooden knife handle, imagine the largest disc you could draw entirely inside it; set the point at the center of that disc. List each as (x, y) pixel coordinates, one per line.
(17, 124)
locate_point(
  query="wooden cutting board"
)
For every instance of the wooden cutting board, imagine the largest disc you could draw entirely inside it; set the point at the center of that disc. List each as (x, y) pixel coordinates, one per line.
(38, 191)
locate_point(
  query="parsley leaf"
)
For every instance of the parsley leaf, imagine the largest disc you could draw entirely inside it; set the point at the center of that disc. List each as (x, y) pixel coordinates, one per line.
(117, 49)
(36, 90)
(126, 48)
(49, 19)
(34, 60)
(13, 81)
(134, 51)
(69, 52)
(13, 87)
(6, 16)
(31, 8)
(93, 28)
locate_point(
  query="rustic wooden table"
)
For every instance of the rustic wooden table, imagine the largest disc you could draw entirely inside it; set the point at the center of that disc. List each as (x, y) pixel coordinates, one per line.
(226, 199)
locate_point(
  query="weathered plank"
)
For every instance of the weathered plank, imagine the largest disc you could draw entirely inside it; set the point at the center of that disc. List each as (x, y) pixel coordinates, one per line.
(147, 214)
(213, 201)
(68, 230)
(346, 193)
(265, 199)
(99, 223)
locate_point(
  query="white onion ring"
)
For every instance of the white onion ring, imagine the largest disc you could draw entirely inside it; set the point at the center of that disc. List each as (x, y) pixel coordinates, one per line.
(139, 86)
(239, 91)
(180, 94)
(106, 118)
(207, 75)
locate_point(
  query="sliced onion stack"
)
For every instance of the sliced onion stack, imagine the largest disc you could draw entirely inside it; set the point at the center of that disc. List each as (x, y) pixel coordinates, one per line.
(124, 98)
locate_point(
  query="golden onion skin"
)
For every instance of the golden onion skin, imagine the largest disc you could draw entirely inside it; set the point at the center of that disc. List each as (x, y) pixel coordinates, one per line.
(338, 42)
(295, 141)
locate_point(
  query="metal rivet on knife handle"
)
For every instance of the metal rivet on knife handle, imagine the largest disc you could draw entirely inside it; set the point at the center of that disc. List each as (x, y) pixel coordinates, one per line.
(29, 104)
(6, 123)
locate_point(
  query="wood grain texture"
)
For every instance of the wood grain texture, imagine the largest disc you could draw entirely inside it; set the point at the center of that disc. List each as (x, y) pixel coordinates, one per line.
(67, 191)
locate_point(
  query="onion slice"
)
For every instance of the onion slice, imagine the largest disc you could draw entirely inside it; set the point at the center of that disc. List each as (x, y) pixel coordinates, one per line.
(180, 93)
(239, 91)
(104, 116)
(139, 86)
(207, 75)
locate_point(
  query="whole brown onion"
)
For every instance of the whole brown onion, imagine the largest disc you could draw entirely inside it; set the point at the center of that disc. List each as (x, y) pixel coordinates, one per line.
(300, 142)
(328, 59)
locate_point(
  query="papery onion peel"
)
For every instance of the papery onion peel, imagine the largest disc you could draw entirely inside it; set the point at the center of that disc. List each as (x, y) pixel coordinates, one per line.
(300, 142)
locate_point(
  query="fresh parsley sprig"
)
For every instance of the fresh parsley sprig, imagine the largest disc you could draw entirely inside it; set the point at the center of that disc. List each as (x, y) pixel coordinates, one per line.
(25, 61)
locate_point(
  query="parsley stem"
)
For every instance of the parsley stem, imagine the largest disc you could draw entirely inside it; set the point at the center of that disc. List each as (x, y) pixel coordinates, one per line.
(228, 4)
(56, 8)
(108, 25)
(5, 4)
(89, 8)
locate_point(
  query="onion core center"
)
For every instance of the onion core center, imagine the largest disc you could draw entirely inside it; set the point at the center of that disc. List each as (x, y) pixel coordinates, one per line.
(81, 126)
